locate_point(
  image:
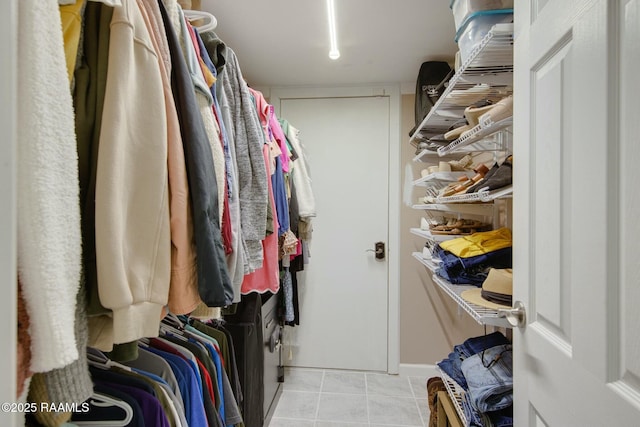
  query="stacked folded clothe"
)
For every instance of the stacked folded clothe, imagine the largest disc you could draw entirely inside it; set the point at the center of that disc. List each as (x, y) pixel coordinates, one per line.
(468, 259)
(483, 367)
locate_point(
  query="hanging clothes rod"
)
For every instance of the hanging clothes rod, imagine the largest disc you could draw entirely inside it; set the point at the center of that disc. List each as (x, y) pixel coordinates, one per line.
(201, 21)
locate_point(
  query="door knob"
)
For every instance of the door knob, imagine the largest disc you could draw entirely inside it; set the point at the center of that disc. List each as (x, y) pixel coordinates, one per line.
(379, 250)
(516, 316)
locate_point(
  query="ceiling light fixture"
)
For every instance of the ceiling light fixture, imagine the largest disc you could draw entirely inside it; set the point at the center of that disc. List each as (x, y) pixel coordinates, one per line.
(334, 53)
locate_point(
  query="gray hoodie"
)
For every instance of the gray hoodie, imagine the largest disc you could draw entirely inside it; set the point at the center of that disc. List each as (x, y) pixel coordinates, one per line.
(245, 132)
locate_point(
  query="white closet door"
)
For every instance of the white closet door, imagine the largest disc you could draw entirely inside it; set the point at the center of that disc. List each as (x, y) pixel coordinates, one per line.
(576, 234)
(344, 289)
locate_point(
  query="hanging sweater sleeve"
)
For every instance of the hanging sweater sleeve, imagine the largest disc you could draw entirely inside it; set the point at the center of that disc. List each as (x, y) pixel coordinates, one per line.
(133, 245)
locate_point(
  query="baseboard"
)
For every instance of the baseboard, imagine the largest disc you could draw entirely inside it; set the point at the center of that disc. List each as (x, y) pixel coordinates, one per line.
(417, 370)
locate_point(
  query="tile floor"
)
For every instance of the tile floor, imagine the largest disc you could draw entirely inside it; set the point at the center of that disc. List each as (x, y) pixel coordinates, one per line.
(331, 398)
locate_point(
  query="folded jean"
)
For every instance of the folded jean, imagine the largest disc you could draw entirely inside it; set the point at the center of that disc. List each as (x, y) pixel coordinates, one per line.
(471, 270)
(501, 418)
(451, 366)
(489, 375)
(474, 418)
(463, 277)
(476, 344)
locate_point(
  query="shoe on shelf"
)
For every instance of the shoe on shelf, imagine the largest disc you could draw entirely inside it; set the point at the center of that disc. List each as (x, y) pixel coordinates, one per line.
(439, 139)
(459, 226)
(462, 165)
(448, 190)
(472, 113)
(444, 167)
(481, 170)
(499, 111)
(424, 224)
(426, 252)
(440, 167)
(426, 145)
(482, 182)
(502, 177)
(456, 132)
(427, 200)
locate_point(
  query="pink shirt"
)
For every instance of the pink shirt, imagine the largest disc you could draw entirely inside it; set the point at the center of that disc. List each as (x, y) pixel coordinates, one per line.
(267, 278)
(271, 127)
(278, 134)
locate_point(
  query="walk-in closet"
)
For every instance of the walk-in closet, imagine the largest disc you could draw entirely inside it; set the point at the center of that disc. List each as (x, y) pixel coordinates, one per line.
(327, 213)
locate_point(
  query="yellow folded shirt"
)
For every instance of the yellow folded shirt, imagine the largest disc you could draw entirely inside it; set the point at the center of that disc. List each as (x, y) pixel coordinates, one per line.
(479, 243)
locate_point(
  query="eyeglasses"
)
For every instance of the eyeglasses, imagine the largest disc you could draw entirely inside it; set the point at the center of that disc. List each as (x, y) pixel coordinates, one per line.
(493, 361)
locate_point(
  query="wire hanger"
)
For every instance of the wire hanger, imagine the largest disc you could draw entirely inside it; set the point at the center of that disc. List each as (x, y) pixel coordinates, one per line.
(201, 21)
(104, 401)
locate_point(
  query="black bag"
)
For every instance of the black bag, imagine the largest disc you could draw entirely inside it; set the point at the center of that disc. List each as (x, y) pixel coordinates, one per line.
(429, 86)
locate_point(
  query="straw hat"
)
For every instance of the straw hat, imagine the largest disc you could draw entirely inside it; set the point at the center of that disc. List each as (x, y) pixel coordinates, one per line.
(496, 292)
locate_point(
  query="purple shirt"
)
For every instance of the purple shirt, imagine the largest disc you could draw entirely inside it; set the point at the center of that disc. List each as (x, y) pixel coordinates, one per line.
(151, 409)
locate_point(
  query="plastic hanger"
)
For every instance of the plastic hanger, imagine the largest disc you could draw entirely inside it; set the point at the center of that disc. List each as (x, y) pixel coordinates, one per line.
(173, 320)
(98, 359)
(201, 21)
(104, 401)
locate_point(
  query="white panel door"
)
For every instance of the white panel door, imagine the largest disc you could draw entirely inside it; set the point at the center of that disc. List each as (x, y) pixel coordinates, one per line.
(576, 232)
(343, 295)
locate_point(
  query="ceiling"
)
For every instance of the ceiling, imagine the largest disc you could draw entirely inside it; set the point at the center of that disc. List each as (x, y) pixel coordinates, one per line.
(286, 42)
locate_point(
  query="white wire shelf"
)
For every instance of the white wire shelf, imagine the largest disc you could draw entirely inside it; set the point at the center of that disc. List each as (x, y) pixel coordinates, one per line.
(425, 153)
(429, 263)
(440, 177)
(482, 196)
(490, 64)
(474, 139)
(435, 237)
(484, 144)
(468, 208)
(482, 315)
(456, 393)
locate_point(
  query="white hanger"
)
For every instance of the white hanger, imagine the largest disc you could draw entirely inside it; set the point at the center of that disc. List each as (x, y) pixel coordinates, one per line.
(104, 401)
(98, 359)
(210, 21)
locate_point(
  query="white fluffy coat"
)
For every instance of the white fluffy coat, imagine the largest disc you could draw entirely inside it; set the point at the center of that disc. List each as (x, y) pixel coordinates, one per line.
(49, 236)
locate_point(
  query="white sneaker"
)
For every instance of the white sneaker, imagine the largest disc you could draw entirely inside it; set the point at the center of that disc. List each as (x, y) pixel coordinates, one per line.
(427, 200)
(426, 253)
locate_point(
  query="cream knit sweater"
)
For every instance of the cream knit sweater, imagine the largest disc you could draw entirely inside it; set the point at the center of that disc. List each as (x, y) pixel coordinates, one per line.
(49, 237)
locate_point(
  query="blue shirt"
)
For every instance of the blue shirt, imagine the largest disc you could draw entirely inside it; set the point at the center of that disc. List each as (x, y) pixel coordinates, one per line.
(280, 198)
(191, 393)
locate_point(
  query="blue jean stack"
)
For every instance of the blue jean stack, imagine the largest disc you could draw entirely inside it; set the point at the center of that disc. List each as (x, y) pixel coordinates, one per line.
(483, 367)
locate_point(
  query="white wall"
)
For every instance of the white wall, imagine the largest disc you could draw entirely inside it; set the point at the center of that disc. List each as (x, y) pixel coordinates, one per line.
(430, 322)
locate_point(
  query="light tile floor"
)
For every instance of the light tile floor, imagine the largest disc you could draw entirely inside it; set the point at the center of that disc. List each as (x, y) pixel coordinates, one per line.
(332, 398)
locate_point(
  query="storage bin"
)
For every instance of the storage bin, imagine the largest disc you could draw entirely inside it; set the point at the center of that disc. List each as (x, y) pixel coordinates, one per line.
(462, 9)
(476, 26)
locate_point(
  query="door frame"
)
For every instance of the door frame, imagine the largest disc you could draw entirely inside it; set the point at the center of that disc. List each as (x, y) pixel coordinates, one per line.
(8, 209)
(276, 95)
